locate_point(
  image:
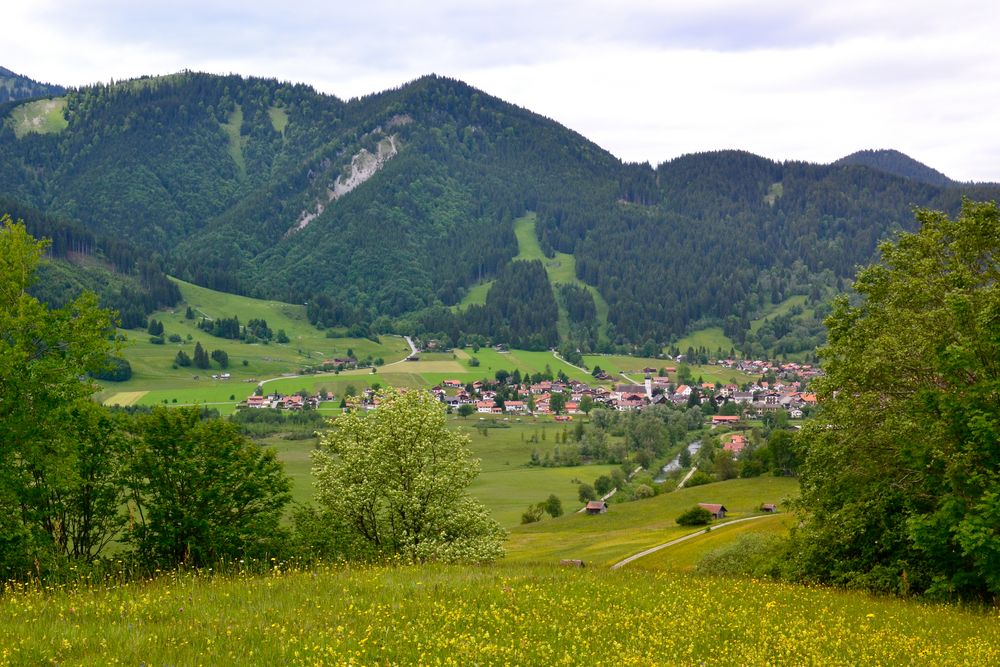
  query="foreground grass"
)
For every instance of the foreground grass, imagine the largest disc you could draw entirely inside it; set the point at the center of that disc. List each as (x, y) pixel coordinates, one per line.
(504, 614)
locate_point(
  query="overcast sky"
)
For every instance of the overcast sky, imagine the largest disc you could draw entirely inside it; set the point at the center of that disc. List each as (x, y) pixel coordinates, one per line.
(647, 80)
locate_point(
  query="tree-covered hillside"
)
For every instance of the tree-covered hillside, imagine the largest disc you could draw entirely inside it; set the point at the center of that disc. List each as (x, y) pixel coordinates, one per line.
(384, 211)
(125, 278)
(16, 87)
(894, 162)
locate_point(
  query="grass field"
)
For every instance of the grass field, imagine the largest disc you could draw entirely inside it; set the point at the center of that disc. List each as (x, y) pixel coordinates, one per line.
(152, 364)
(279, 119)
(39, 117)
(628, 528)
(685, 556)
(476, 296)
(232, 129)
(711, 339)
(778, 309)
(506, 483)
(632, 367)
(499, 614)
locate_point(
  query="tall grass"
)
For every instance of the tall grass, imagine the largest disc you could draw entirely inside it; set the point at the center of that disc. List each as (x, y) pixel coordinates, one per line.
(503, 614)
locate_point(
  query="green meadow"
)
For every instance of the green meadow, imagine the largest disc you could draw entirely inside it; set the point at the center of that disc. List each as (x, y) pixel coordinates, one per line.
(156, 380)
(39, 117)
(628, 528)
(777, 310)
(685, 556)
(507, 484)
(503, 614)
(710, 338)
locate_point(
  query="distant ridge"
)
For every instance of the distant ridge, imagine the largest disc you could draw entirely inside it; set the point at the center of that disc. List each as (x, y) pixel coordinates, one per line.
(898, 164)
(17, 87)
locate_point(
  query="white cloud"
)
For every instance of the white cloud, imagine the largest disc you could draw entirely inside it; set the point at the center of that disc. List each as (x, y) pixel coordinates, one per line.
(646, 79)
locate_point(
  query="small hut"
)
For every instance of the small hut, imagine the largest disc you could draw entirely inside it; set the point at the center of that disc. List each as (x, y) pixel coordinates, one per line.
(597, 507)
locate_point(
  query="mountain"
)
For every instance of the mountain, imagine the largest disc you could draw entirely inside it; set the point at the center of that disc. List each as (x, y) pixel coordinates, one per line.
(124, 277)
(383, 212)
(896, 163)
(16, 87)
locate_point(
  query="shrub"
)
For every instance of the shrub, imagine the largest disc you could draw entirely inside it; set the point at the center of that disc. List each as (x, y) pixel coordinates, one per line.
(752, 555)
(533, 514)
(696, 516)
(699, 478)
(643, 491)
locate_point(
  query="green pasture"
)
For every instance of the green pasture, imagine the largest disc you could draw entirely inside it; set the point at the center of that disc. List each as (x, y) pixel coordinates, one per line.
(39, 117)
(236, 141)
(778, 309)
(614, 364)
(502, 614)
(628, 528)
(476, 296)
(710, 338)
(686, 555)
(279, 119)
(152, 365)
(506, 483)
(710, 373)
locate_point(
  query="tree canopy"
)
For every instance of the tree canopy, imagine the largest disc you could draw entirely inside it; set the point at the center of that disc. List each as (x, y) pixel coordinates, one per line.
(901, 480)
(397, 479)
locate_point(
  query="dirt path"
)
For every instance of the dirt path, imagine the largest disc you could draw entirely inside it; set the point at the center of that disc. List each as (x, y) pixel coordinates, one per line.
(685, 538)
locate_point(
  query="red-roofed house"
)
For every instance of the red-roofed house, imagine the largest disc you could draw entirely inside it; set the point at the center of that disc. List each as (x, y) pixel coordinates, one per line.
(736, 444)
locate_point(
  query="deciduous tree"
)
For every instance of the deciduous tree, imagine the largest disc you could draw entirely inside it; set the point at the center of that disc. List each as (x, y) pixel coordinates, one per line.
(398, 478)
(900, 486)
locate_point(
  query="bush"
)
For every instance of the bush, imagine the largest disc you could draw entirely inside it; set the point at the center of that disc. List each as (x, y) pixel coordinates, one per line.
(603, 484)
(752, 555)
(553, 506)
(643, 491)
(533, 514)
(696, 516)
(699, 478)
(587, 493)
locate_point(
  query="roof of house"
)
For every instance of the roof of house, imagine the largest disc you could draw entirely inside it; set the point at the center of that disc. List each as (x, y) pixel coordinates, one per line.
(713, 507)
(596, 505)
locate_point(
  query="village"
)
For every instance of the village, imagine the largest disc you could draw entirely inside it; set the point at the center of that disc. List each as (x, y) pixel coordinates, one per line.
(784, 391)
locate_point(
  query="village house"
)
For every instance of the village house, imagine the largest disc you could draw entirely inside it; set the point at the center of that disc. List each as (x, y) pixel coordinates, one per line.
(735, 443)
(597, 507)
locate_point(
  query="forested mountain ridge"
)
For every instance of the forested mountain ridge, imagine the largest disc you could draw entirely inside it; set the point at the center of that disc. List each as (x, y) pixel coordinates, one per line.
(16, 87)
(125, 278)
(383, 211)
(894, 162)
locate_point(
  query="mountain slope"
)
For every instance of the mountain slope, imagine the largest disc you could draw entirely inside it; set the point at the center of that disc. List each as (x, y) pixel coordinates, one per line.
(896, 163)
(383, 212)
(17, 87)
